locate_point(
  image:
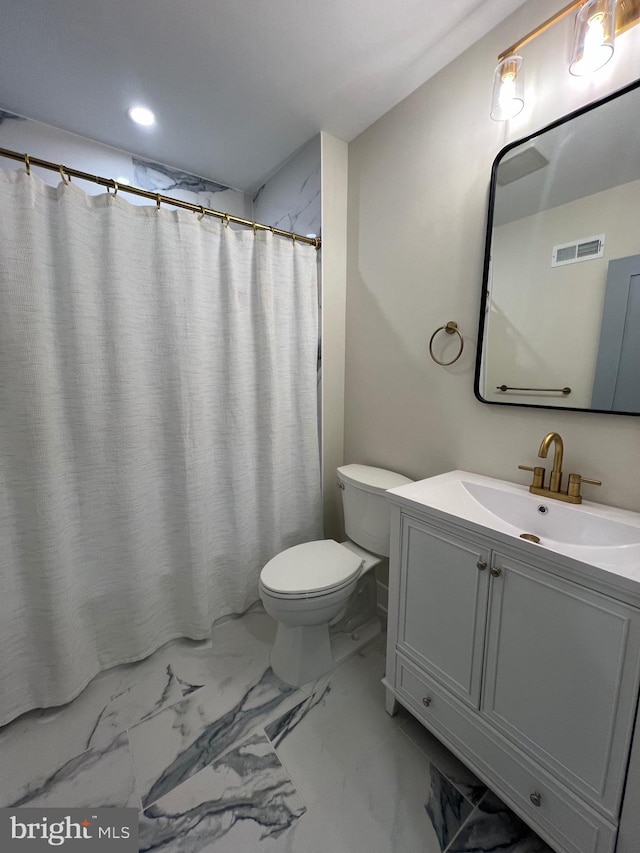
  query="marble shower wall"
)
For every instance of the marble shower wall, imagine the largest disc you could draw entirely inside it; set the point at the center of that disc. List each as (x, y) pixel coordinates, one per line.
(60, 146)
(290, 199)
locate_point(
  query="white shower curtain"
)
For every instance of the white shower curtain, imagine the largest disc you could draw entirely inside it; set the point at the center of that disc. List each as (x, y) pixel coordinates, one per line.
(158, 428)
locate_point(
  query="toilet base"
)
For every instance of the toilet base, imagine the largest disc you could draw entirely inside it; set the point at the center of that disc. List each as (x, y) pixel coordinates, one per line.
(302, 654)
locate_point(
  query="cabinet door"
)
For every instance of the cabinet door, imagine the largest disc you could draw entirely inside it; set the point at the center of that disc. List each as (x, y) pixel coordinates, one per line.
(444, 588)
(561, 676)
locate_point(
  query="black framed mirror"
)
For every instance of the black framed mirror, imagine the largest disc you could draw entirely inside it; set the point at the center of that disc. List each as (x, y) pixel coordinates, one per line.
(560, 311)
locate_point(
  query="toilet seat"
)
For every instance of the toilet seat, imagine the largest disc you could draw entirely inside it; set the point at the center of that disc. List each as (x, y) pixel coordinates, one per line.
(310, 569)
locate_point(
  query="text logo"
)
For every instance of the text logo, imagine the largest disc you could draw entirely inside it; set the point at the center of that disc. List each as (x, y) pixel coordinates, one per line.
(102, 830)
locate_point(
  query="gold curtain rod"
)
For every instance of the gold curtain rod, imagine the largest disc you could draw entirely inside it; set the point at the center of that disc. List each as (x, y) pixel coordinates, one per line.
(157, 197)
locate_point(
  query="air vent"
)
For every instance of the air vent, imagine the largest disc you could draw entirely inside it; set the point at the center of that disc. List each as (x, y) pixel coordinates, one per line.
(580, 250)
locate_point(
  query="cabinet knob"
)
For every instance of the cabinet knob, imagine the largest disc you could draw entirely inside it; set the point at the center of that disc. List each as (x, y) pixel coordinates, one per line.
(536, 798)
(495, 571)
(426, 701)
(481, 564)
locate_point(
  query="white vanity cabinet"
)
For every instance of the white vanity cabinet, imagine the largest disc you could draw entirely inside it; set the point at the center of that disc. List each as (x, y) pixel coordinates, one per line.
(529, 674)
(444, 606)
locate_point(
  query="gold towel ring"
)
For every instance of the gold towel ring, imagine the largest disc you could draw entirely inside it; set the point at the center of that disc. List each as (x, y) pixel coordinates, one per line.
(450, 328)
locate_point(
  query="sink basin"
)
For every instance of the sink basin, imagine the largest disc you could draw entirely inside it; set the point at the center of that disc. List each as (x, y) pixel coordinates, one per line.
(577, 524)
(591, 533)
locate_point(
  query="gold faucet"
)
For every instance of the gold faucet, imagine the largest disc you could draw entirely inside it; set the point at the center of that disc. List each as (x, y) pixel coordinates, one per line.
(558, 450)
(554, 490)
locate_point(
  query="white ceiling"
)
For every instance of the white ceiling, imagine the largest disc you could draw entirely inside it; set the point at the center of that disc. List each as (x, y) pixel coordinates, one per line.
(237, 85)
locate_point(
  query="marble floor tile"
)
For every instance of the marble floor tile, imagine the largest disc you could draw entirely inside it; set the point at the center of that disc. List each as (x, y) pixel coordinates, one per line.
(99, 777)
(181, 740)
(42, 742)
(446, 807)
(379, 806)
(236, 804)
(343, 721)
(236, 644)
(227, 758)
(39, 743)
(465, 781)
(493, 826)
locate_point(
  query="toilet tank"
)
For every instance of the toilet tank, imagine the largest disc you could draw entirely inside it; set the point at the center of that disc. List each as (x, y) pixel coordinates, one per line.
(367, 514)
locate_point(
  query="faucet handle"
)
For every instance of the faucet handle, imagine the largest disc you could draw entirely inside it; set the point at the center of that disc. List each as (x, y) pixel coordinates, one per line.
(538, 475)
(573, 489)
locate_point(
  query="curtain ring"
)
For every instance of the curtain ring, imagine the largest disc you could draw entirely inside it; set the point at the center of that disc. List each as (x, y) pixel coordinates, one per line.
(115, 189)
(293, 237)
(201, 217)
(27, 164)
(226, 220)
(63, 176)
(255, 229)
(450, 328)
(157, 201)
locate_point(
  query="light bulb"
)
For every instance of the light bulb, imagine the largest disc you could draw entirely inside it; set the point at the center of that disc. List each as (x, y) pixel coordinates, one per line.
(594, 35)
(508, 97)
(596, 53)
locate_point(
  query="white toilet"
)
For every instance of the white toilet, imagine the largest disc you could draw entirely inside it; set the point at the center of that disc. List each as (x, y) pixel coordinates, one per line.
(309, 586)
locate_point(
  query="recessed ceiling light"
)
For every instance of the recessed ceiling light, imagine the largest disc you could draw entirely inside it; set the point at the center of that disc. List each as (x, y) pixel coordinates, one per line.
(142, 115)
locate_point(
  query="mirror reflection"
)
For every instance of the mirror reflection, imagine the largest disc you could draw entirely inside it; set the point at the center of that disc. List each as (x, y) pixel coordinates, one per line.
(560, 316)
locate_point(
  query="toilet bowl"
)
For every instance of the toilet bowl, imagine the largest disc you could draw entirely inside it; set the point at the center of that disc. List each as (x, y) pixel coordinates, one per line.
(309, 588)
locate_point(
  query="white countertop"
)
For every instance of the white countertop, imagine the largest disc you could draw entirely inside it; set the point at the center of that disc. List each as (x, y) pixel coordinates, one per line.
(592, 534)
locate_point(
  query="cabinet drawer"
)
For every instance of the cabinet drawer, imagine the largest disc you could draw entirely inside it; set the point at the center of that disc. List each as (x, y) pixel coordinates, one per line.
(559, 817)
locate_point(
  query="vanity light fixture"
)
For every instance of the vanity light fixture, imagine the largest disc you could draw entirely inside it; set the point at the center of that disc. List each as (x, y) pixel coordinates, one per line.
(593, 37)
(597, 24)
(141, 115)
(508, 89)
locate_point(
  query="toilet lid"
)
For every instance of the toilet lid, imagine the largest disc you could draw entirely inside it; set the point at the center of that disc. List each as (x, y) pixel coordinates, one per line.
(311, 567)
